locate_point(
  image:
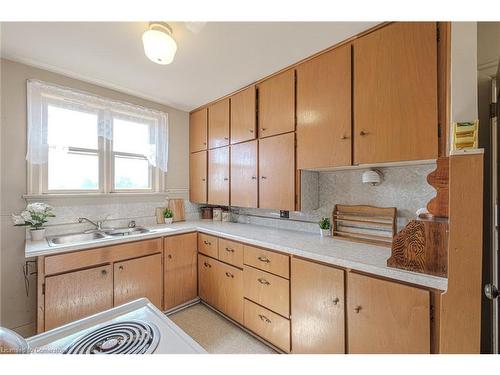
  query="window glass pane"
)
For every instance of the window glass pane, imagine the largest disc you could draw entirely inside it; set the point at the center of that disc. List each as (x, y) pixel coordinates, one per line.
(73, 171)
(131, 137)
(67, 127)
(131, 173)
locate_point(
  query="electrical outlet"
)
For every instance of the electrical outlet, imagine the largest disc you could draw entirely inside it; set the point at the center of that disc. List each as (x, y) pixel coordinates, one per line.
(284, 214)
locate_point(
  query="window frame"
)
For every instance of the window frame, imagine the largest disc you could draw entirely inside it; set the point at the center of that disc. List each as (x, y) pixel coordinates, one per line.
(38, 175)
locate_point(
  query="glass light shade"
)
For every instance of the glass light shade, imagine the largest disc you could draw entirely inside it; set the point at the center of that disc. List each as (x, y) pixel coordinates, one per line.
(159, 46)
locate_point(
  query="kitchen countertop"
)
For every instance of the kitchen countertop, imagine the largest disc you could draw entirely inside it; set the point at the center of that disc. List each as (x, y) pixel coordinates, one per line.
(356, 256)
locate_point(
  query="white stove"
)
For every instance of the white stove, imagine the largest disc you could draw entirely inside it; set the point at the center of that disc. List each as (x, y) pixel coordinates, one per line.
(137, 327)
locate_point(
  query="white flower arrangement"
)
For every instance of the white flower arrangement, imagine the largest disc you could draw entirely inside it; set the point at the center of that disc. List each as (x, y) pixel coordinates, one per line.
(35, 215)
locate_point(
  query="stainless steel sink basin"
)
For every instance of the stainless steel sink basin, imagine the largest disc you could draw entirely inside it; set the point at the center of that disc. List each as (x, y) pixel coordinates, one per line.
(126, 231)
(75, 238)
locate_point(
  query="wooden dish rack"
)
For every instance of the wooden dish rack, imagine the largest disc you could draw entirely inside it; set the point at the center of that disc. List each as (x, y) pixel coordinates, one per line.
(368, 224)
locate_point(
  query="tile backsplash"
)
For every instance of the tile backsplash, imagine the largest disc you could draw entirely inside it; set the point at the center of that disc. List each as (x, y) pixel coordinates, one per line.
(404, 187)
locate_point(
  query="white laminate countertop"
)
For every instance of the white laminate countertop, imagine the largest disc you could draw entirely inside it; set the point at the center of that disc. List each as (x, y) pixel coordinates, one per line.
(356, 256)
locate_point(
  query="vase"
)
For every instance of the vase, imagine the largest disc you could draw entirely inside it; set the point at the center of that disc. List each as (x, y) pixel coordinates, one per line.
(37, 234)
(168, 220)
(324, 232)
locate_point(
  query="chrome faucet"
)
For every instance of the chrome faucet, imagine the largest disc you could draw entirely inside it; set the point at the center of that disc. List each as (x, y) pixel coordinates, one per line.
(98, 224)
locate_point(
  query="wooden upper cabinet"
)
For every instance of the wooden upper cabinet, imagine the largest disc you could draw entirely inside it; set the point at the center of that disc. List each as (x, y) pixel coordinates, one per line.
(317, 307)
(218, 176)
(386, 317)
(243, 116)
(198, 177)
(324, 110)
(198, 130)
(277, 172)
(139, 278)
(277, 104)
(180, 269)
(218, 124)
(395, 94)
(75, 295)
(244, 183)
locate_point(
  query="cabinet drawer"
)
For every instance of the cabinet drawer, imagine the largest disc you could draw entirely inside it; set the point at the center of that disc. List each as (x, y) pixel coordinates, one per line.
(207, 245)
(268, 290)
(231, 252)
(268, 325)
(269, 261)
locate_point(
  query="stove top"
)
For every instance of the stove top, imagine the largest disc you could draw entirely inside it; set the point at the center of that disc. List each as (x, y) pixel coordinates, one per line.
(137, 327)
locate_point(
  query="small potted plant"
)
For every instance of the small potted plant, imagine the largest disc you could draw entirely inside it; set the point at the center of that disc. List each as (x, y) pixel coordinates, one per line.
(35, 215)
(168, 215)
(324, 227)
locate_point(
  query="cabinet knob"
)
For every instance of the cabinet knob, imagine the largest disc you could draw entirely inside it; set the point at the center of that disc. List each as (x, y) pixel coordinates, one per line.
(263, 281)
(226, 179)
(203, 179)
(336, 300)
(264, 177)
(104, 272)
(169, 256)
(362, 132)
(229, 250)
(263, 129)
(207, 265)
(344, 137)
(207, 242)
(204, 143)
(264, 318)
(254, 177)
(226, 138)
(357, 309)
(120, 268)
(250, 130)
(229, 274)
(263, 259)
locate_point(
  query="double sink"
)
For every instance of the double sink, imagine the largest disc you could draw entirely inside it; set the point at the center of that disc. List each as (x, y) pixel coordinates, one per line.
(74, 238)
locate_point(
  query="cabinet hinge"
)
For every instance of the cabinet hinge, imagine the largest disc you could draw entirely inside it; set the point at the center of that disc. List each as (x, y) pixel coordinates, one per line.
(43, 288)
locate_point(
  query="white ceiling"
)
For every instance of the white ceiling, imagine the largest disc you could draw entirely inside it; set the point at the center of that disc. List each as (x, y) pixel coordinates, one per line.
(219, 59)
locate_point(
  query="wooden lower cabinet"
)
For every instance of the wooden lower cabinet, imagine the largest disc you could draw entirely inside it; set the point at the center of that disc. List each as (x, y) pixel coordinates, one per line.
(386, 317)
(230, 291)
(317, 308)
(207, 280)
(75, 295)
(138, 278)
(180, 281)
(268, 325)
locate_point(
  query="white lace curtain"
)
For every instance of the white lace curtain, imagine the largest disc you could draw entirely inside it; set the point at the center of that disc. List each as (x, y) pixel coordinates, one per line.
(39, 93)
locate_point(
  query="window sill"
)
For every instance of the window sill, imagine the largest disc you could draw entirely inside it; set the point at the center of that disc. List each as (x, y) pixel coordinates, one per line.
(171, 193)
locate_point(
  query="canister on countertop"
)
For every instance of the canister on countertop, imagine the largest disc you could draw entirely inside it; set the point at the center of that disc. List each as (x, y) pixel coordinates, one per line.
(206, 213)
(217, 216)
(226, 216)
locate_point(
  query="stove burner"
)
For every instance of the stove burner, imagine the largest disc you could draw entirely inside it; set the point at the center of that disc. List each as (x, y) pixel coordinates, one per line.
(130, 337)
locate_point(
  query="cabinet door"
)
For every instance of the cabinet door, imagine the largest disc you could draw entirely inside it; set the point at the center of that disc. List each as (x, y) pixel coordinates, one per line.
(244, 183)
(218, 124)
(75, 295)
(139, 278)
(180, 278)
(198, 130)
(230, 291)
(317, 302)
(207, 280)
(198, 177)
(386, 317)
(243, 116)
(277, 172)
(277, 104)
(395, 94)
(218, 176)
(324, 110)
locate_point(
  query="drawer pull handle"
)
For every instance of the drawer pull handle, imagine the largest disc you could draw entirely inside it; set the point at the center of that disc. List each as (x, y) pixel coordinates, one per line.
(264, 318)
(104, 272)
(229, 274)
(169, 256)
(357, 309)
(229, 250)
(362, 132)
(263, 281)
(207, 243)
(226, 179)
(336, 300)
(207, 265)
(263, 259)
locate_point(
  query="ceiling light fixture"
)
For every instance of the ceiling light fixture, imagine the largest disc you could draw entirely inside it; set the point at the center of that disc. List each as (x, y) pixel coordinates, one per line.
(159, 45)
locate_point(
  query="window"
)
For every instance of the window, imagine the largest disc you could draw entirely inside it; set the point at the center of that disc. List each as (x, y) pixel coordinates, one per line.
(79, 143)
